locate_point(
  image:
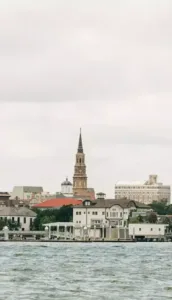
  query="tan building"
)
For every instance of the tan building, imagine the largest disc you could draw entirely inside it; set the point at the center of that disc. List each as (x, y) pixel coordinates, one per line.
(145, 192)
(80, 177)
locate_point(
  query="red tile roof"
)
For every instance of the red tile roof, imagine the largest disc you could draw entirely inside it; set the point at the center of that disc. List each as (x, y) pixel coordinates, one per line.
(58, 202)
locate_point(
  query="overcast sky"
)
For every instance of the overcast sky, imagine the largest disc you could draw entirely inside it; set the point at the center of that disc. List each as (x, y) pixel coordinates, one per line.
(105, 66)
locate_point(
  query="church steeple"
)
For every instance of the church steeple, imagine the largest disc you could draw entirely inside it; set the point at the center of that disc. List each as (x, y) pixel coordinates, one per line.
(80, 177)
(80, 147)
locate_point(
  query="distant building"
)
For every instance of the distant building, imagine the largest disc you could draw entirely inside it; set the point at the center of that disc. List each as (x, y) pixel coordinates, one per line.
(80, 177)
(26, 192)
(146, 192)
(22, 216)
(4, 199)
(67, 188)
(57, 203)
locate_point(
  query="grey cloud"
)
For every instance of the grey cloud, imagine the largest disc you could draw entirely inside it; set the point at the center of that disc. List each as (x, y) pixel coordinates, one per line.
(64, 52)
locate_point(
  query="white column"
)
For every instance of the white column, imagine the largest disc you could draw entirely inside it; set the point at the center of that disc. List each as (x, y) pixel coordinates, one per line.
(118, 232)
(47, 232)
(133, 233)
(85, 232)
(125, 233)
(94, 232)
(103, 231)
(110, 233)
(88, 231)
(57, 231)
(6, 233)
(81, 232)
(65, 231)
(70, 232)
(73, 231)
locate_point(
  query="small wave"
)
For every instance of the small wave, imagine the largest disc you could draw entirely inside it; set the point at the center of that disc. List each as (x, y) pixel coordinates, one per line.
(18, 254)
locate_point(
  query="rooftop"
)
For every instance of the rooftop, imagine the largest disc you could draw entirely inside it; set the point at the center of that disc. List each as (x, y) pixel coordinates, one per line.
(107, 203)
(17, 211)
(58, 202)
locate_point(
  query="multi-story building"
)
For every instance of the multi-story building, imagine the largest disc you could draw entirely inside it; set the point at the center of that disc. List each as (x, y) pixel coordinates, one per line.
(101, 216)
(145, 192)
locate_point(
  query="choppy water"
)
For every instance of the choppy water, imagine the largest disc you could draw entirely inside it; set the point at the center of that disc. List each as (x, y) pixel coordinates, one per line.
(74, 271)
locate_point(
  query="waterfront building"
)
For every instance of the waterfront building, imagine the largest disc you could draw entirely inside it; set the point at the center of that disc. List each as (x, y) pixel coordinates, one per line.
(145, 192)
(21, 215)
(103, 216)
(80, 188)
(147, 230)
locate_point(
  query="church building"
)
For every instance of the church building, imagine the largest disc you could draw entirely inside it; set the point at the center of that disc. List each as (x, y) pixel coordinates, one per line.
(80, 188)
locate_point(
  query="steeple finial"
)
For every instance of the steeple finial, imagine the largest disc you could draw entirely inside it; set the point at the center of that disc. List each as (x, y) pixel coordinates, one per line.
(80, 147)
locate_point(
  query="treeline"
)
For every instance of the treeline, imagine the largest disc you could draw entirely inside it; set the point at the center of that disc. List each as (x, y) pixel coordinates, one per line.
(161, 208)
(64, 214)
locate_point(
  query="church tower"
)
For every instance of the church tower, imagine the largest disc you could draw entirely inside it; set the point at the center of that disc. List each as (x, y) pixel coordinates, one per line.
(80, 177)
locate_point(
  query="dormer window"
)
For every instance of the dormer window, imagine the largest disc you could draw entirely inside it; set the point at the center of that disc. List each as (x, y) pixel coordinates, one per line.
(87, 202)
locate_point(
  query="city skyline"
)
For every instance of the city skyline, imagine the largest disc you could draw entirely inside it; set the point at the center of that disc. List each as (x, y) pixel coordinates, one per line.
(104, 68)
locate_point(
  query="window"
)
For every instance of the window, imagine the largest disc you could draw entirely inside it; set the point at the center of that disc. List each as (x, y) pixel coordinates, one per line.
(79, 221)
(18, 220)
(78, 212)
(24, 219)
(121, 214)
(151, 229)
(159, 229)
(139, 229)
(103, 212)
(114, 214)
(94, 213)
(30, 221)
(87, 203)
(107, 214)
(12, 219)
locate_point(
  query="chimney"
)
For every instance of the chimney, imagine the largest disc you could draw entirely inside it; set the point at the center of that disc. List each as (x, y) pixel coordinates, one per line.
(101, 196)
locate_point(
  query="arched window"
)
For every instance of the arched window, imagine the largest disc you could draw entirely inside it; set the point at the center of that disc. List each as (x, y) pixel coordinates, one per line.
(80, 160)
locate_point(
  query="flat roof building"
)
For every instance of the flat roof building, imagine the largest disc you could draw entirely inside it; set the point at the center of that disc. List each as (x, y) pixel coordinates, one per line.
(145, 192)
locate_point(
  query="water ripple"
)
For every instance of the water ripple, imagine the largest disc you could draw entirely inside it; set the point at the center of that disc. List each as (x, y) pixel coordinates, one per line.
(33, 271)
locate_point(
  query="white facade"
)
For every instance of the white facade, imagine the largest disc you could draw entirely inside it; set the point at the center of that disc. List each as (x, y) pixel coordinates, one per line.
(110, 215)
(22, 216)
(25, 222)
(146, 192)
(147, 230)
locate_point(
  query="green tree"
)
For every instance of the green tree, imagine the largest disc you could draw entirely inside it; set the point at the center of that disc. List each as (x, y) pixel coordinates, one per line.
(152, 218)
(64, 214)
(159, 207)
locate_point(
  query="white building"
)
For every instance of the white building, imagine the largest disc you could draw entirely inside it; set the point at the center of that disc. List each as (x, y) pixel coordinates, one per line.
(22, 216)
(67, 188)
(101, 216)
(147, 230)
(145, 192)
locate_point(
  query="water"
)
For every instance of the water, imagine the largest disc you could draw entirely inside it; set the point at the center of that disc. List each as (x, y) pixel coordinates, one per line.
(74, 271)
